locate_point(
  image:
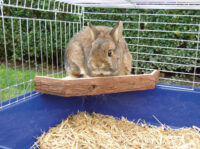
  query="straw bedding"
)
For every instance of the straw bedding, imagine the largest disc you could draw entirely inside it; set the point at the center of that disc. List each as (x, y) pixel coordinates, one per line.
(97, 131)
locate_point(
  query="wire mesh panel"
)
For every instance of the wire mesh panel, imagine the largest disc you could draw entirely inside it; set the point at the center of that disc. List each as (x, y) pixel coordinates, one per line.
(138, 4)
(167, 40)
(44, 5)
(32, 42)
(34, 34)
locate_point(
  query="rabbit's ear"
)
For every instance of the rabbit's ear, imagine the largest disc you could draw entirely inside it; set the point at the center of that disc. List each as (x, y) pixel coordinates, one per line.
(117, 31)
(93, 31)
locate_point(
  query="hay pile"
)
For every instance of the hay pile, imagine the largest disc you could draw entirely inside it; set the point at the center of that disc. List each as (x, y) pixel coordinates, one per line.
(96, 131)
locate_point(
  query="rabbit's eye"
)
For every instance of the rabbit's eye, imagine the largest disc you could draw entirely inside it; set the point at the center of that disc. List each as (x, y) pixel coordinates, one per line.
(109, 52)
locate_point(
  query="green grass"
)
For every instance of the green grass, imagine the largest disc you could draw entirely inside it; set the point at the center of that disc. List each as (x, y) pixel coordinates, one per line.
(11, 76)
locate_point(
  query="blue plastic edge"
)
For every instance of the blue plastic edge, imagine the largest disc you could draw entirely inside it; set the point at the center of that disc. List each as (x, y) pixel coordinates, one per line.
(22, 122)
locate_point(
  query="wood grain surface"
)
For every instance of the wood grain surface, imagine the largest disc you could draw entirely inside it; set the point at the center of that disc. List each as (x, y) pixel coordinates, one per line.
(95, 86)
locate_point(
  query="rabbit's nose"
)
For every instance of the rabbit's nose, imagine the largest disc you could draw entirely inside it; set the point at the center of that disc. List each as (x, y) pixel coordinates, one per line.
(99, 65)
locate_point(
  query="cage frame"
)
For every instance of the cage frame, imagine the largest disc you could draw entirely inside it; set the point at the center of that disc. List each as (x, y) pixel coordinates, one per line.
(79, 7)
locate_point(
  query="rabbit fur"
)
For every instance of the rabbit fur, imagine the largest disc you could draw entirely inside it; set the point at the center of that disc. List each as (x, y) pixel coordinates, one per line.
(98, 51)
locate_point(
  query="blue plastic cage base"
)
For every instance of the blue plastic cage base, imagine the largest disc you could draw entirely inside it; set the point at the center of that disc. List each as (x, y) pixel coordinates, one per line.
(21, 123)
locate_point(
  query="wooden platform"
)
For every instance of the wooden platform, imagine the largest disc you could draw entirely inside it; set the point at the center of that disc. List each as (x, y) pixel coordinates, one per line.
(96, 85)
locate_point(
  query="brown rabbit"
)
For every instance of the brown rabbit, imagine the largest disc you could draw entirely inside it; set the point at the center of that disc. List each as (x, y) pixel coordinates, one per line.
(98, 51)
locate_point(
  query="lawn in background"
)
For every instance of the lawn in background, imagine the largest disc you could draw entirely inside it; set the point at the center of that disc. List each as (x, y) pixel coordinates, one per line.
(16, 82)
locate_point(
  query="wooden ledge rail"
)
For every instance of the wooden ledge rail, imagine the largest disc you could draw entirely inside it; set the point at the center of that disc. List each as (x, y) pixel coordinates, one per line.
(96, 85)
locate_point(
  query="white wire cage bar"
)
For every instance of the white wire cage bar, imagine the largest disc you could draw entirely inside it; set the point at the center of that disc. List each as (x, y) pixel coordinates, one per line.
(138, 4)
(170, 34)
(34, 44)
(44, 5)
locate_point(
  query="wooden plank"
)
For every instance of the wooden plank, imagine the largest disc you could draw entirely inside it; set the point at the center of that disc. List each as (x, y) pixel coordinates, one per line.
(96, 85)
